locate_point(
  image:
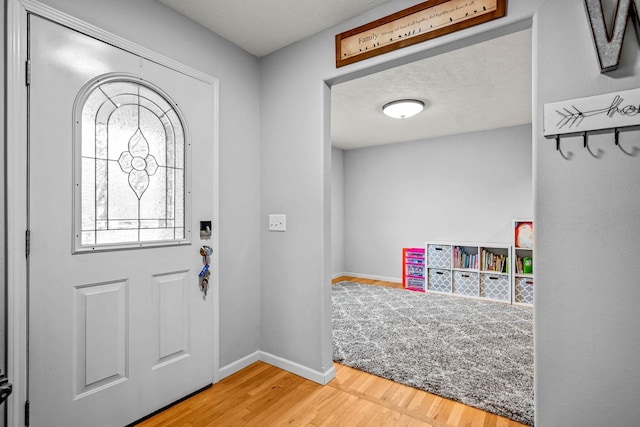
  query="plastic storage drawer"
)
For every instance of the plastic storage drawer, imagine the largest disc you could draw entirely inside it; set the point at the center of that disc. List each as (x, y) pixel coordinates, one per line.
(415, 270)
(415, 253)
(415, 283)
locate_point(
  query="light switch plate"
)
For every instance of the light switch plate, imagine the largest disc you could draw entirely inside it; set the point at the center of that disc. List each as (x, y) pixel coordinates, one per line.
(277, 222)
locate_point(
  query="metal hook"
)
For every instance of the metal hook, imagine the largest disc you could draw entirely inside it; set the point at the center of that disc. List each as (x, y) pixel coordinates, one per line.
(585, 139)
(633, 153)
(599, 153)
(565, 156)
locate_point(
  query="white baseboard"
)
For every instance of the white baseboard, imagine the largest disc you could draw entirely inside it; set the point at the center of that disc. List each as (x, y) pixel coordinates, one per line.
(295, 368)
(335, 276)
(239, 365)
(373, 277)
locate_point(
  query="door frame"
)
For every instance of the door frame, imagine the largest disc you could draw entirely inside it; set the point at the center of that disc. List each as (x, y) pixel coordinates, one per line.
(17, 158)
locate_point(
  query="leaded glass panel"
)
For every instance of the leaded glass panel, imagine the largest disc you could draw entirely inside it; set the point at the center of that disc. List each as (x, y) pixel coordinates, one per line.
(132, 165)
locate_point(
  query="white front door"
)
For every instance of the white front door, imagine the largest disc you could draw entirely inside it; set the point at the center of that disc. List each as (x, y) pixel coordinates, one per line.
(115, 334)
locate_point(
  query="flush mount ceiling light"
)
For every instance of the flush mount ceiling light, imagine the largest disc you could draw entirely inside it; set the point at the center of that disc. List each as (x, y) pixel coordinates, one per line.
(403, 108)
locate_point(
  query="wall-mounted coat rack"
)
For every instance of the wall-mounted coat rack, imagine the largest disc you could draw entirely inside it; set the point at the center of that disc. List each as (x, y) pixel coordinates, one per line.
(609, 113)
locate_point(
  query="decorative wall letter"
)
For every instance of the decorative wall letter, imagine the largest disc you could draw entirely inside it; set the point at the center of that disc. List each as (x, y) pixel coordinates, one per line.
(608, 46)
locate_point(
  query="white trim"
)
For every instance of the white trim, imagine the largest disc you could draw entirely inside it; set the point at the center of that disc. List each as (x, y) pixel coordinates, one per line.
(76, 24)
(322, 378)
(215, 228)
(374, 277)
(16, 125)
(239, 364)
(335, 276)
(17, 157)
(295, 368)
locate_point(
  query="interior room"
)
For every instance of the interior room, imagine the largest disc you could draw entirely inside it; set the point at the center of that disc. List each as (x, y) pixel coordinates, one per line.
(457, 171)
(460, 170)
(107, 332)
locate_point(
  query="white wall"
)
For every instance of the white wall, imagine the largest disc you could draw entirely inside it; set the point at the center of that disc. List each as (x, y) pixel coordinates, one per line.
(464, 187)
(586, 213)
(157, 27)
(587, 314)
(337, 212)
(296, 173)
(586, 209)
(296, 181)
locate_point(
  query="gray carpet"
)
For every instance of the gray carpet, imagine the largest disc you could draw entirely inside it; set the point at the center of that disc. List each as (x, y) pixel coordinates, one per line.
(475, 352)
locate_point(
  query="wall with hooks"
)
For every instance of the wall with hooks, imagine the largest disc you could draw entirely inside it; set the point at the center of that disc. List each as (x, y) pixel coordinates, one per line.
(587, 232)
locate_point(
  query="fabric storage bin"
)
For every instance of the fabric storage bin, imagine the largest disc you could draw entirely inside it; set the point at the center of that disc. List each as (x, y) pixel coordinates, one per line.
(465, 283)
(440, 280)
(495, 286)
(439, 256)
(524, 290)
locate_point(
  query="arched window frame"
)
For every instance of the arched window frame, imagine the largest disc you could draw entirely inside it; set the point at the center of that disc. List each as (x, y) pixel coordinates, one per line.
(182, 222)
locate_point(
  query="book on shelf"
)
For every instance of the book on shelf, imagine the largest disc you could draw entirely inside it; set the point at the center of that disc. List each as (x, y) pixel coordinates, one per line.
(524, 265)
(493, 262)
(462, 259)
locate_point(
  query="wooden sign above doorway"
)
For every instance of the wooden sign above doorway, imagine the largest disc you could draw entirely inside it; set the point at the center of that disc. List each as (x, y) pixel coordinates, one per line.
(416, 24)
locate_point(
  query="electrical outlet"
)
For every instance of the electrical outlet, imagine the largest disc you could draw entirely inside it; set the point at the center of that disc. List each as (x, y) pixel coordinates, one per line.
(277, 222)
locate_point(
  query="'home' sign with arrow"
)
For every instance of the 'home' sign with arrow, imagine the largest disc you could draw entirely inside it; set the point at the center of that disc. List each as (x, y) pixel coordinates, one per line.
(615, 110)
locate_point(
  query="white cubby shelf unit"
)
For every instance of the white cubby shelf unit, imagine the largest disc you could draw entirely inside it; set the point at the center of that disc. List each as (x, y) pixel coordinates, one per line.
(472, 270)
(522, 253)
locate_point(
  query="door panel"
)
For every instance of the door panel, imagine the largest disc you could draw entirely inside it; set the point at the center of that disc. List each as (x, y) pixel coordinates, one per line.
(172, 327)
(114, 335)
(100, 346)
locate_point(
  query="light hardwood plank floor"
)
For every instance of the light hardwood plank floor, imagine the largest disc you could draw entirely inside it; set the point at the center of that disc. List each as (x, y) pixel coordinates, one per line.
(367, 281)
(263, 395)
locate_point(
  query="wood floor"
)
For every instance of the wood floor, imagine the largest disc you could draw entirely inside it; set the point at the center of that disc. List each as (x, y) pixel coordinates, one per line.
(367, 281)
(262, 395)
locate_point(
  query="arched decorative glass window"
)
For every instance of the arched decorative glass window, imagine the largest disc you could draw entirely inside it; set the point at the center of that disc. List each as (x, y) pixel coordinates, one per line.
(130, 170)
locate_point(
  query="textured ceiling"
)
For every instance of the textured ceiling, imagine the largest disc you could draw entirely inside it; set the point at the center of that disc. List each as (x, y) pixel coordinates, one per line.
(264, 26)
(480, 87)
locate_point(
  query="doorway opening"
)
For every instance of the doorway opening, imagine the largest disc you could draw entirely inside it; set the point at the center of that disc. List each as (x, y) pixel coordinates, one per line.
(460, 171)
